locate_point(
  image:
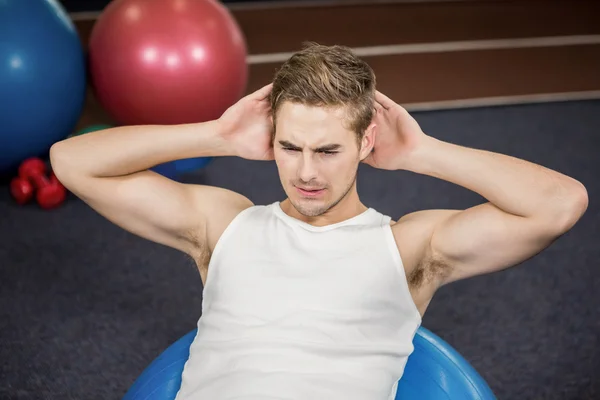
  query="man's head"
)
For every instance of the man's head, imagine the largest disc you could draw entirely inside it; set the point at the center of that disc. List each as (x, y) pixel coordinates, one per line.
(322, 107)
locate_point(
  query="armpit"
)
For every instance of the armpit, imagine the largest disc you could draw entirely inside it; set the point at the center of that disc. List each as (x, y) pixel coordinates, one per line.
(429, 271)
(200, 252)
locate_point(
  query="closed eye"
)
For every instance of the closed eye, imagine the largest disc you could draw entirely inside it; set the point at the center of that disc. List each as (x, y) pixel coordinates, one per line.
(326, 152)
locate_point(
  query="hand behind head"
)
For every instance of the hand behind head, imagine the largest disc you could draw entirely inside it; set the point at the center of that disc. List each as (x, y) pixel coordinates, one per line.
(247, 126)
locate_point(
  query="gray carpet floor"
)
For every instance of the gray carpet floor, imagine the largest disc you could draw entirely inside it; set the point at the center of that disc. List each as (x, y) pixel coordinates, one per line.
(85, 306)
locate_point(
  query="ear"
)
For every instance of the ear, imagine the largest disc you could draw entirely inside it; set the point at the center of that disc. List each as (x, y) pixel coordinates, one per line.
(368, 141)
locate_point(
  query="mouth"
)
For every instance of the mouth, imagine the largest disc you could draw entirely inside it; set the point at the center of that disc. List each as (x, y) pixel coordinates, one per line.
(310, 192)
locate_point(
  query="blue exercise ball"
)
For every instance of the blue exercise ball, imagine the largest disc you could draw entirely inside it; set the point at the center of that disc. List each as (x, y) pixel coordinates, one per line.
(42, 78)
(434, 371)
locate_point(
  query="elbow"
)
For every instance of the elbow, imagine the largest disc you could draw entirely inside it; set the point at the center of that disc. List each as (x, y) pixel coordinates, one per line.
(570, 208)
(581, 202)
(56, 157)
(59, 160)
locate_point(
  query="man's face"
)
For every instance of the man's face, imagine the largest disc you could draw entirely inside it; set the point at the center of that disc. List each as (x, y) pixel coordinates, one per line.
(317, 156)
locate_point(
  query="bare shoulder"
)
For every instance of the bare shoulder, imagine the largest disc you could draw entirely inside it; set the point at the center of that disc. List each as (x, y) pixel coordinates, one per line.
(424, 271)
(224, 206)
(219, 206)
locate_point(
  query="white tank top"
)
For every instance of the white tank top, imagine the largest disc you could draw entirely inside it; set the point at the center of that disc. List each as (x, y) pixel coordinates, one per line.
(297, 312)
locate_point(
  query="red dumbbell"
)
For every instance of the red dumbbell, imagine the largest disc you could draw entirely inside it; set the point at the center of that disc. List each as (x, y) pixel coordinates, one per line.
(21, 190)
(50, 193)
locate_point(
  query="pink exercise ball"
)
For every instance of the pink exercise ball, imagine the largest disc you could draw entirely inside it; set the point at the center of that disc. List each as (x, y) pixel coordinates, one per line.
(167, 61)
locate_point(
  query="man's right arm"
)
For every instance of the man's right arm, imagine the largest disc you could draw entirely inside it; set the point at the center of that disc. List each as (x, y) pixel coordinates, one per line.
(109, 170)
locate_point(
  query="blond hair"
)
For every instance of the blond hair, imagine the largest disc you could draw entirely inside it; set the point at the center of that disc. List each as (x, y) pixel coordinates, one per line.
(327, 76)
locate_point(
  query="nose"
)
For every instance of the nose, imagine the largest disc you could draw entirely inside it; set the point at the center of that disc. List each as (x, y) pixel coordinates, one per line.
(307, 169)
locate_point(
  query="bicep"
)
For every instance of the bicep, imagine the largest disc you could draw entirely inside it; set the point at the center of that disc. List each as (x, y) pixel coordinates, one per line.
(484, 239)
(153, 207)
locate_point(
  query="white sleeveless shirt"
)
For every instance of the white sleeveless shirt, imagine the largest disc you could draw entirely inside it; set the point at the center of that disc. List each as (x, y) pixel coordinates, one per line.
(297, 312)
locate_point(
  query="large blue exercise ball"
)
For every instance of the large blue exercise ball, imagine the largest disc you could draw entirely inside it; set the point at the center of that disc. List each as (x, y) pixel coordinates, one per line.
(434, 371)
(42, 78)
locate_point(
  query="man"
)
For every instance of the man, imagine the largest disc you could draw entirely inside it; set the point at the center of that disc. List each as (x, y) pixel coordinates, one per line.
(317, 296)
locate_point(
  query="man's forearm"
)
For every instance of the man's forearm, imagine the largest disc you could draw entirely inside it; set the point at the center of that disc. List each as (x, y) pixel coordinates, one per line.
(516, 186)
(124, 150)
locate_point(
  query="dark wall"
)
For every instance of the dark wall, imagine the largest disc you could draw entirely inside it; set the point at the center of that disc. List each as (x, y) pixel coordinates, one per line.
(98, 5)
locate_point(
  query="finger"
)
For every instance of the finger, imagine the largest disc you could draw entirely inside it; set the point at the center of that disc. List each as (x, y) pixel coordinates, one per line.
(378, 108)
(263, 92)
(382, 99)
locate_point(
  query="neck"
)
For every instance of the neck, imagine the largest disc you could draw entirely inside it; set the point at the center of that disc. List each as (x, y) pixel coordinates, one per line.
(348, 207)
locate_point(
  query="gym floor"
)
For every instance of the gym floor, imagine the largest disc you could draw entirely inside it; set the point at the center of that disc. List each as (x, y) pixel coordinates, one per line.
(85, 306)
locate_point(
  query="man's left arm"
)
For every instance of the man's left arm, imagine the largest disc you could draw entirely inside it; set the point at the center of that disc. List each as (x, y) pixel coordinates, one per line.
(529, 207)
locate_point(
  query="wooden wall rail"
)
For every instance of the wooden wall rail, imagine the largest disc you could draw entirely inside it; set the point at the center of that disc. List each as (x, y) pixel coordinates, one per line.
(432, 54)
